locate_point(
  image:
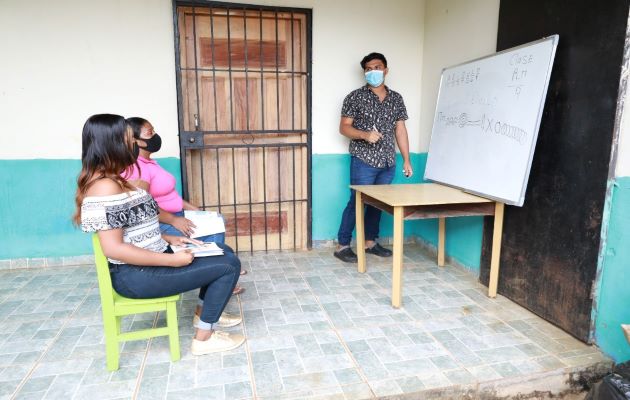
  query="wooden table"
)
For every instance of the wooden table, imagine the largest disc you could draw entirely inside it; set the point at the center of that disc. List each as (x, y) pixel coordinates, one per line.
(419, 201)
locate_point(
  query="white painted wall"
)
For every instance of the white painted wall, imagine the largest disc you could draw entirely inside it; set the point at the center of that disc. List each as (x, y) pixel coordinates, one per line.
(455, 31)
(66, 60)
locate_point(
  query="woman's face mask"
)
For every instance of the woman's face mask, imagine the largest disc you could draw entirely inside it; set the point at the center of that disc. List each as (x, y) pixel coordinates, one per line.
(374, 78)
(153, 144)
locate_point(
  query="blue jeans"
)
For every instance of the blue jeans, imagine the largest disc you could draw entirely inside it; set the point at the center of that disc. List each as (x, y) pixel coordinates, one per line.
(363, 174)
(171, 230)
(216, 277)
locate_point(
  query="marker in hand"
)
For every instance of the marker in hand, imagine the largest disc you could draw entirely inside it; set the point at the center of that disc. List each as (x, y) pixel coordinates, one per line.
(373, 136)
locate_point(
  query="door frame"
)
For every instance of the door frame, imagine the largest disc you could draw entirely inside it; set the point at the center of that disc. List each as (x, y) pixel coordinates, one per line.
(182, 134)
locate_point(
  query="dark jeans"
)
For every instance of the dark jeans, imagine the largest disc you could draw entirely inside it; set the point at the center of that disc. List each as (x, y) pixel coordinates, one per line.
(363, 174)
(171, 230)
(215, 276)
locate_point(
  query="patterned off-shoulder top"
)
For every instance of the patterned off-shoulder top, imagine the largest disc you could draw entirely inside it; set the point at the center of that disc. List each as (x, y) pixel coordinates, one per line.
(135, 212)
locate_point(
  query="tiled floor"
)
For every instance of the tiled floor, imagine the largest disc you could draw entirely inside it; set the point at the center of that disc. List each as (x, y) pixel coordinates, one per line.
(316, 329)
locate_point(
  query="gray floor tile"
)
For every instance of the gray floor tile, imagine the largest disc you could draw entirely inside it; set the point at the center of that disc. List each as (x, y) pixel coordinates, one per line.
(316, 330)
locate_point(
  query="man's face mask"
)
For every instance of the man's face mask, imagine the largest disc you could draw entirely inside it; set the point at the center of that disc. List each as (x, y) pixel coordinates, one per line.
(152, 145)
(374, 78)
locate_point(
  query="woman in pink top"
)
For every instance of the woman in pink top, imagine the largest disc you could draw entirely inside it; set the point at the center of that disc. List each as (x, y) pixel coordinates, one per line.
(161, 185)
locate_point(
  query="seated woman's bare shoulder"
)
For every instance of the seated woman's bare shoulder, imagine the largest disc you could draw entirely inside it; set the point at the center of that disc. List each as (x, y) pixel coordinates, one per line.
(104, 187)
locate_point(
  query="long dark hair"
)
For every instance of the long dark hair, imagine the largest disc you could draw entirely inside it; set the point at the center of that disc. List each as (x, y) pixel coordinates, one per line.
(136, 124)
(105, 154)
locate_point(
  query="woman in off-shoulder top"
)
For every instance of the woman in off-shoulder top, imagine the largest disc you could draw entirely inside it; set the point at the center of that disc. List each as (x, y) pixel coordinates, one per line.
(142, 265)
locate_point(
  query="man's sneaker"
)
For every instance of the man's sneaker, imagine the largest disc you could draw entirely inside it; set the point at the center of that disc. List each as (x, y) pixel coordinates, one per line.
(346, 255)
(219, 341)
(379, 250)
(225, 321)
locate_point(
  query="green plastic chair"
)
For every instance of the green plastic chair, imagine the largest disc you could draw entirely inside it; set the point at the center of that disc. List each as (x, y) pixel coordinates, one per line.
(116, 306)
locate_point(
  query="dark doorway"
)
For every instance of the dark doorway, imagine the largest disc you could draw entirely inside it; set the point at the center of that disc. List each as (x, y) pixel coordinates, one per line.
(550, 246)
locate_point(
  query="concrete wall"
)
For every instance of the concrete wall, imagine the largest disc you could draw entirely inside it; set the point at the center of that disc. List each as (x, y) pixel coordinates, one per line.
(76, 58)
(66, 60)
(613, 297)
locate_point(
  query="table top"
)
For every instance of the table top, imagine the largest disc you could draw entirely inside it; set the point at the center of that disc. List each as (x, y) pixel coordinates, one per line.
(418, 194)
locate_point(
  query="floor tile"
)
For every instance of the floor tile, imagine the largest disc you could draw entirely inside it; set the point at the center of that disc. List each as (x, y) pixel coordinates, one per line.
(316, 329)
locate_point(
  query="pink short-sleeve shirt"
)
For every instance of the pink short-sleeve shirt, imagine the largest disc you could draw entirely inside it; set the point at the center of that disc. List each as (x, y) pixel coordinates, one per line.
(161, 184)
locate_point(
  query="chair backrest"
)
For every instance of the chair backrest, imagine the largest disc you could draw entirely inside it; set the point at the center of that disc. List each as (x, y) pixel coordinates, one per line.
(104, 279)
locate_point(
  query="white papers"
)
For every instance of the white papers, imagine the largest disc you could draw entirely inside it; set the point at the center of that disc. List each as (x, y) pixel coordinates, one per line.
(207, 222)
(204, 250)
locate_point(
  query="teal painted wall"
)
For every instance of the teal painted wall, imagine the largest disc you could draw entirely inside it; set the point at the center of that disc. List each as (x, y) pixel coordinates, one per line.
(331, 177)
(613, 301)
(37, 202)
(36, 207)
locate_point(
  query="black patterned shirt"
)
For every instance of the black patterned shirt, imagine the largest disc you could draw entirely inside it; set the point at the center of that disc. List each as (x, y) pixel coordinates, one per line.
(368, 112)
(136, 213)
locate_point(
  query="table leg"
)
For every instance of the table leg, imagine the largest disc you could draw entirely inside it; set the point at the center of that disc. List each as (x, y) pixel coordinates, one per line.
(398, 257)
(441, 240)
(496, 249)
(360, 228)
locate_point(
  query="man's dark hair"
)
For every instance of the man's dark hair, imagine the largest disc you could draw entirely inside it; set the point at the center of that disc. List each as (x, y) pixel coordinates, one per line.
(373, 56)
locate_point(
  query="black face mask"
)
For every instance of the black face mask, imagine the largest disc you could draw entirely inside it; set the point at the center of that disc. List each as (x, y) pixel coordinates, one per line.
(153, 145)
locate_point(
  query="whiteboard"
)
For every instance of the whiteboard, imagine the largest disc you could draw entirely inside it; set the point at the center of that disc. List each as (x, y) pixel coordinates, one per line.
(486, 121)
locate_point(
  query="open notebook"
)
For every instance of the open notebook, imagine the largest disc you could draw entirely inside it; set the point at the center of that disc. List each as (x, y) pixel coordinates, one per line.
(205, 250)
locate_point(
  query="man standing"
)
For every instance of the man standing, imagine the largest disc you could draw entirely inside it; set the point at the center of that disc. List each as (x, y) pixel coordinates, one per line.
(372, 116)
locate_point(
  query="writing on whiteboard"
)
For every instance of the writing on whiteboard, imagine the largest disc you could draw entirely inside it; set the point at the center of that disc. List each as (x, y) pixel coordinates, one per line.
(489, 125)
(460, 120)
(463, 78)
(519, 61)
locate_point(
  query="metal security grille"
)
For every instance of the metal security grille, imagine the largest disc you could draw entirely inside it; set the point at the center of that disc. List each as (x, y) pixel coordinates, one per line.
(244, 96)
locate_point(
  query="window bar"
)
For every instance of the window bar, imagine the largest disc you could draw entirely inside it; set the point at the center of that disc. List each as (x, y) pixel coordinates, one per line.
(279, 203)
(229, 42)
(196, 73)
(265, 194)
(260, 203)
(262, 87)
(242, 146)
(251, 70)
(249, 184)
(236, 131)
(214, 74)
(246, 67)
(203, 183)
(292, 77)
(294, 220)
(235, 199)
(218, 180)
(277, 75)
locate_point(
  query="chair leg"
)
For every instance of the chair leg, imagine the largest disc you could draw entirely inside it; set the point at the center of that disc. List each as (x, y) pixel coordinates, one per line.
(111, 343)
(173, 331)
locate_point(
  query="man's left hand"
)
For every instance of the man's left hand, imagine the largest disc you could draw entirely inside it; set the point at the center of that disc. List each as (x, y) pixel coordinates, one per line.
(407, 170)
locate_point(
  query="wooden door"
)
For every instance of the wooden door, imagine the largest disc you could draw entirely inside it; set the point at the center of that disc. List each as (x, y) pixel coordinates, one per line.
(244, 93)
(550, 246)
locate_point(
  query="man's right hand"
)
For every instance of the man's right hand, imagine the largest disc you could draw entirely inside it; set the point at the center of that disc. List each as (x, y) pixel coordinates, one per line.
(373, 136)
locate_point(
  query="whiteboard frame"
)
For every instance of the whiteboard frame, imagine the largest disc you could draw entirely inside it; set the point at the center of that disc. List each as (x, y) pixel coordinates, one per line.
(554, 39)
